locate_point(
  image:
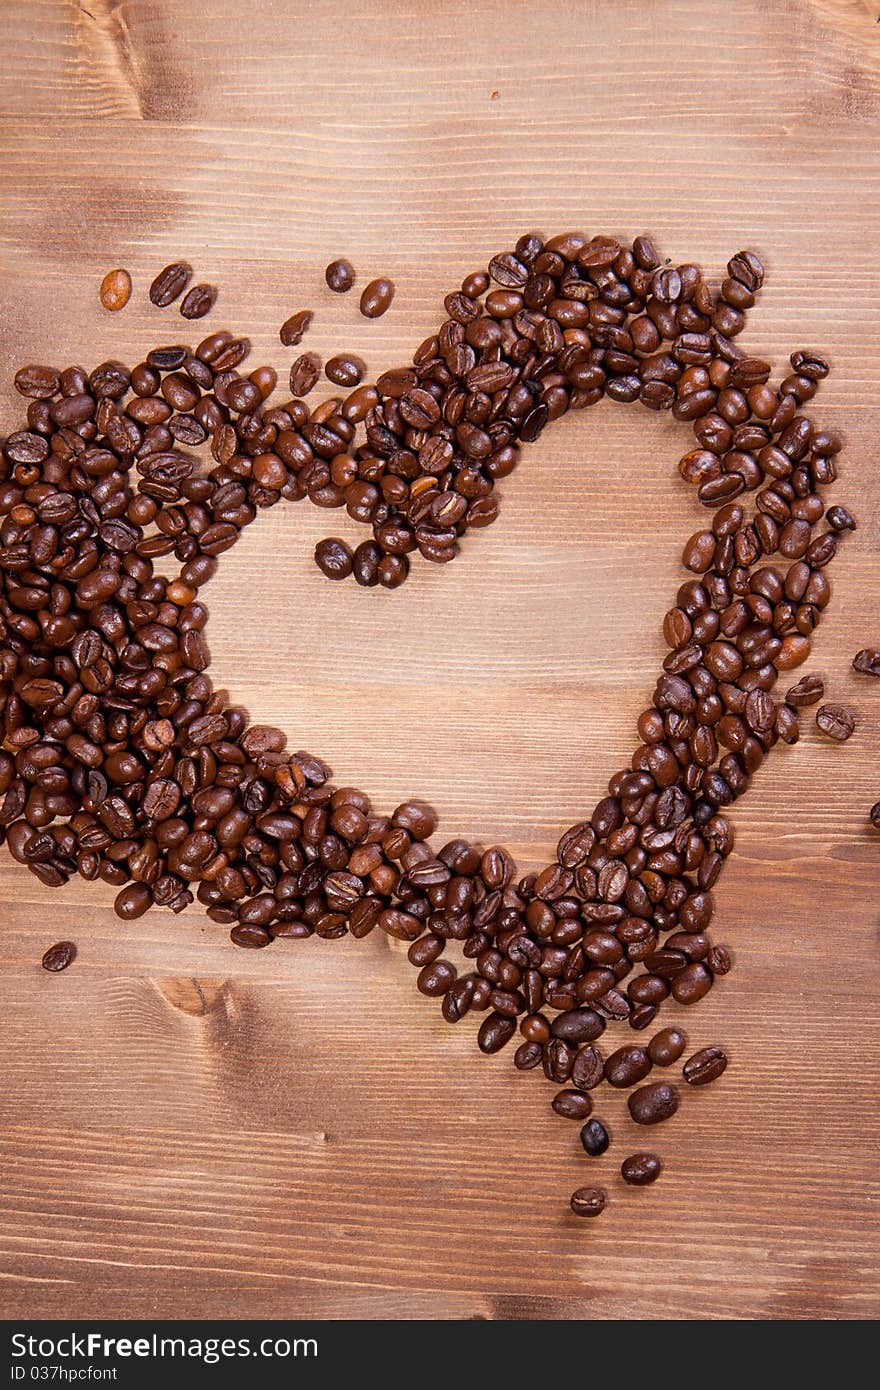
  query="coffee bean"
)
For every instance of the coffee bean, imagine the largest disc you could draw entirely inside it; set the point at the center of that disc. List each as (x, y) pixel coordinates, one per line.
(874, 815)
(115, 290)
(339, 276)
(39, 383)
(867, 661)
(587, 1069)
(344, 369)
(808, 691)
(627, 1066)
(653, 1103)
(837, 721)
(376, 298)
(59, 956)
(293, 330)
(495, 1032)
(170, 283)
(572, 1105)
(199, 301)
(304, 373)
(704, 1066)
(594, 1137)
(588, 1201)
(641, 1169)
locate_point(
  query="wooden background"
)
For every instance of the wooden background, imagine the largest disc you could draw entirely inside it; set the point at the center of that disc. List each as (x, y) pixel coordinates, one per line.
(190, 1130)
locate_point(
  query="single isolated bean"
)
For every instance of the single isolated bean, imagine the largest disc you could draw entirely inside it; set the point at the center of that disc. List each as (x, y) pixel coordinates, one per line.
(667, 1046)
(115, 290)
(59, 956)
(293, 330)
(376, 298)
(867, 661)
(704, 1066)
(641, 1169)
(594, 1137)
(339, 276)
(199, 301)
(588, 1201)
(653, 1103)
(837, 721)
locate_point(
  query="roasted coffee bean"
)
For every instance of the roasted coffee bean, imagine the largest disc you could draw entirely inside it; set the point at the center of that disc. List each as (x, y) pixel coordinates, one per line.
(293, 330)
(59, 956)
(808, 691)
(339, 276)
(198, 301)
(344, 369)
(874, 815)
(653, 1103)
(573, 1105)
(588, 1201)
(704, 1066)
(627, 1066)
(376, 298)
(115, 290)
(594, 1137)
(170, 283)
(641, 1169)
(495, 1031)
(837, 721)
(867, 662)
(587, 1069)
(304, 373)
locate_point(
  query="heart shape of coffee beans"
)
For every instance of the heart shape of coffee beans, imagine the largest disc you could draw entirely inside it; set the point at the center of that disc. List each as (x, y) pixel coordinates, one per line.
(119, 761)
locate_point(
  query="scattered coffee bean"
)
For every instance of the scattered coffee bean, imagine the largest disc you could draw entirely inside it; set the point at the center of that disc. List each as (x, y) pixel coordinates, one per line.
(704, 1066)
(653, 1103)
(874, 815)
(573, 1105)
(376, 298)
(867, 661)
(667, 1046)
(333, 558)
(836, 721)
(594, 1137)
(808, 691)
(115, 290)
(304, 373)
(339, 276)
(293, 330)
(588, 1201)
(345, 369)
(641, 1169)
(199, 301)
(58, 957)
(627, 1066)
(170, 283)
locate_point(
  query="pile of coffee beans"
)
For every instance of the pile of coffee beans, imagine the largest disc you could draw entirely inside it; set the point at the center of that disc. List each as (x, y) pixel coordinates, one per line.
(119, 761)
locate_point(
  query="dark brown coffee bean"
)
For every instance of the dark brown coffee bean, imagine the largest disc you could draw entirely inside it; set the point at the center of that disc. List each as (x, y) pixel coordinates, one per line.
(867, 662)
(587, 1069)
(344, 369)
(376, 298)
(572, 1105)
(36, 382)
(594, 1137)
(304, 373)
(837, 721)
(495, 1032)
(627, 1066)
(588, 1201)
(704, 1066)
(653, 1103)
(874, 815)
(59, 956)
(641, 1169)
(170, 283)
(199, 301)
(808, 691)
(339, 276)
(293, 330)
(115, 290)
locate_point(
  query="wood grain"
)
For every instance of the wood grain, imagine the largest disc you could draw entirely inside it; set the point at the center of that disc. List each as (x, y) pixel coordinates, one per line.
(194, 1131)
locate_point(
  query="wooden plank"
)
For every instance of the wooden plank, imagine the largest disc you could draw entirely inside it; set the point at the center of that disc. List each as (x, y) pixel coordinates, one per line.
(192, 1131)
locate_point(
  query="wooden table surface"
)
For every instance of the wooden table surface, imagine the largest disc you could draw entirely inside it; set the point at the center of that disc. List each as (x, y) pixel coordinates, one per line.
(191, 1130)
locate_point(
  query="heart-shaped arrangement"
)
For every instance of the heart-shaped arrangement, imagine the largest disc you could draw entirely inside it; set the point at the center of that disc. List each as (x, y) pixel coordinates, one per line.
(119, 761)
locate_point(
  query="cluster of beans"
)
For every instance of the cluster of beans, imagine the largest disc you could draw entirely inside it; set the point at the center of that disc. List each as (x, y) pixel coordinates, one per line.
(119, 761)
